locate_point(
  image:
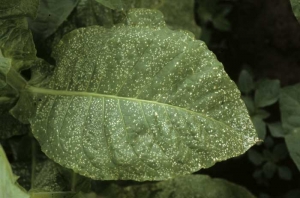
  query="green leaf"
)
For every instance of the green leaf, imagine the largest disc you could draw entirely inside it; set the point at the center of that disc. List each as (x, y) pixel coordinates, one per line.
(245, 82)
(290, 108)
(260, 113)
(290, 115)
(50, 15)
(16, 42)
(267, 93)
(5, 65)
(187, 186)
(269, 142)
(221, 23)
(260, 127)
(255, 157)
(269, 169)
(280, 151)
(90, 12)
(284, 173)
(148, 104)
(8, 184)
(276, 129)
(18, 8)
(292, 141)
(112, 4)
(249, 104)
(296, 8)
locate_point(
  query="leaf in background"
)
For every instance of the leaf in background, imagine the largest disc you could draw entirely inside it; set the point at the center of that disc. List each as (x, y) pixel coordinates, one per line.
(255, 157)
(221, 23)
(201, 186)
(18, 8)
(51, 14)
(267, 93)
(112, 4)
(296, 8)
(178, 14)
(284, 172)
(276, 129)
(268, 142)
(245, 82)
(138, 101)
(280, 151)
(249, 104)
(290, 116)
(8, 185)
(269, 169)
(90, 12)
(260, 113)
(260, 127)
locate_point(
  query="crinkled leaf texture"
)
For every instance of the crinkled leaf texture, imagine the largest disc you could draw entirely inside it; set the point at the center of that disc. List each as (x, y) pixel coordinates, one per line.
(8, 184)
(137, 101)
(200, 186)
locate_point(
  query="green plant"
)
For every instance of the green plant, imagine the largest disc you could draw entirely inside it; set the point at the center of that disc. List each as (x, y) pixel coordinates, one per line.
(268, 157)
(213, 13)
(137, 99)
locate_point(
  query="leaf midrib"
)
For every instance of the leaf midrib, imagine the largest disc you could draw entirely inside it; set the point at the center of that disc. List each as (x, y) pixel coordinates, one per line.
(98, 95)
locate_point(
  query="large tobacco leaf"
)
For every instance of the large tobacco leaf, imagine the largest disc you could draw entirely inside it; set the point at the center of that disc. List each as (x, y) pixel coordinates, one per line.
(137, 101)
(290, 116)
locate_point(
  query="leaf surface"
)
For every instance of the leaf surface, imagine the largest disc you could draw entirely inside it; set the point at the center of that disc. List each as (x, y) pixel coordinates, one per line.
(290, 116)
(50, 15)
(8, 184)
(200, 186)
(138, 101)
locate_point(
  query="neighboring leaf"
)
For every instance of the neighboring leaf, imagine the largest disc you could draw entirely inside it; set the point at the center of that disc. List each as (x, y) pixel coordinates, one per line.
(284, 173)
(138, 101)
(255, 157)
(292, 141)
(290, 116)
(5, 64)
(16, 42)
(269, 142)
(280, 151)
(90, 12)
(179, 14)
(245, 82)
(8, 185)
(260, 113)
(290, 108)
(221, 23)
(200, 186)
(269, 169)
(112, 4)
(267, 93)
(276, 129)
(249, 104)
(260, 127)
(18, 8)
(9, 126)
(50, 15)
(296, 8)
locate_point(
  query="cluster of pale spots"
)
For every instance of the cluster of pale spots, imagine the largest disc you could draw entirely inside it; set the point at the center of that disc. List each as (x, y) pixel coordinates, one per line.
(139, 101)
